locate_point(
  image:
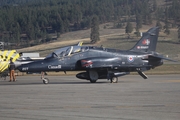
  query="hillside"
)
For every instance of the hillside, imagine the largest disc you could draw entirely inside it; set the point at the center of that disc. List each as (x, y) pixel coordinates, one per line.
(168, 45)
(32, 22)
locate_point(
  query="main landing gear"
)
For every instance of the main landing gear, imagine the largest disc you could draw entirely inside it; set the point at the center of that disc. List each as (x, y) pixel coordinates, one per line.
(93, 76)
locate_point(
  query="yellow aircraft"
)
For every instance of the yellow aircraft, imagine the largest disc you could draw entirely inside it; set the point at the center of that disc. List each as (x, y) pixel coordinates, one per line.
(5, 56)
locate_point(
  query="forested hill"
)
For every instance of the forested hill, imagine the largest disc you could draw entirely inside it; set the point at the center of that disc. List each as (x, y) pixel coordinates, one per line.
(16, 2)
(32, 21)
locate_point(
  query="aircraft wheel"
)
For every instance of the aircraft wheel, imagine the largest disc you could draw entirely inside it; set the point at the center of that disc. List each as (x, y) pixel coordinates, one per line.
(114, 80)
(45, 80)
(93, 75)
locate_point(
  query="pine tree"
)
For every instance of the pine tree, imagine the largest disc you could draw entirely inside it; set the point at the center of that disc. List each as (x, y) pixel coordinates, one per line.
(166, 27)
(129, 28)
(179, 33)
(94, 30)
(138, 21)
(158, 24)
(137, 32)
(154, 5)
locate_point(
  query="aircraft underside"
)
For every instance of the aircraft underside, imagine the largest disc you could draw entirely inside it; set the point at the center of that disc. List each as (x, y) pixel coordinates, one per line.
(93, 75)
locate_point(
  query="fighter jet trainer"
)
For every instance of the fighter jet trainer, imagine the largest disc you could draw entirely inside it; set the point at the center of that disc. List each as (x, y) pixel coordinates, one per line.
(102, 63)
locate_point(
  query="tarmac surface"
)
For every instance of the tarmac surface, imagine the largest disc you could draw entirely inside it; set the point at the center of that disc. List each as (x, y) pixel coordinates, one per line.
(69, 98)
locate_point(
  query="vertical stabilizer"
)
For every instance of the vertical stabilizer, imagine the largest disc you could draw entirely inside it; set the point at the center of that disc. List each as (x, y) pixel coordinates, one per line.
(148, 41)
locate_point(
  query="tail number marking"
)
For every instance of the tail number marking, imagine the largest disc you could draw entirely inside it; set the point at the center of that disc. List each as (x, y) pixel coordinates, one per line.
(25, 69)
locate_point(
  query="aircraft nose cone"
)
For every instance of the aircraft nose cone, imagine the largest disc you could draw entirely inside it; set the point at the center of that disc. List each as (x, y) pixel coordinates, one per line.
(31, 67)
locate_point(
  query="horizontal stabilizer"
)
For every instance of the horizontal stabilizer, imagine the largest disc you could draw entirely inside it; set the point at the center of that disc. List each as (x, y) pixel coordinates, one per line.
(169, 59)
(162, 57)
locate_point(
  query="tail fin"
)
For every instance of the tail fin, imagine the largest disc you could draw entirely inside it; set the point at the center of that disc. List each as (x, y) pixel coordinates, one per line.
(148, 41)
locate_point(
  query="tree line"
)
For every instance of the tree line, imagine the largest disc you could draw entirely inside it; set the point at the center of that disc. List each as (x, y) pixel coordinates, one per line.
(31, 21)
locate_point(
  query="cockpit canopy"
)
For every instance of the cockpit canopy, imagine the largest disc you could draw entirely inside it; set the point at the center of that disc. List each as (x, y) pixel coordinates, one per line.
(67, 51)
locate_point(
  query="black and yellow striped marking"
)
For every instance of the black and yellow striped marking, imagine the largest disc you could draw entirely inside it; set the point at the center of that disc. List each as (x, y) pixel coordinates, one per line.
(5, 56)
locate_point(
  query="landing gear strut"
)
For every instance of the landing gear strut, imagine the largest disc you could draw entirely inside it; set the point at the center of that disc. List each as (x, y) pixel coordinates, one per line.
(45, 80)
(111, 76)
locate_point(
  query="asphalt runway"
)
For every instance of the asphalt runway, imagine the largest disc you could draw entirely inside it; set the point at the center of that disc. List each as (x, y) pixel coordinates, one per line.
(69, 98)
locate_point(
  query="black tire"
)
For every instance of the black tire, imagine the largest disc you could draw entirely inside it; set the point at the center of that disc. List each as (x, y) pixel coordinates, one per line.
(93, 76)
(45, 80)
(114, 80)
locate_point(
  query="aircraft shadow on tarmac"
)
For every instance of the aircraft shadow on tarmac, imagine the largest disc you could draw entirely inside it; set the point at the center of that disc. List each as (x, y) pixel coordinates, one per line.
(2, 83)
(39, 82)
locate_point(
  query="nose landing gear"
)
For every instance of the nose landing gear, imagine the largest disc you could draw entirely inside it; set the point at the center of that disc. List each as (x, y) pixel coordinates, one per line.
(45, 80)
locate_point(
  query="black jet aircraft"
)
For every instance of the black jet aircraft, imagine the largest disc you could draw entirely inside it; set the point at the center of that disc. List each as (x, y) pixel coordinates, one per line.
(102, 63)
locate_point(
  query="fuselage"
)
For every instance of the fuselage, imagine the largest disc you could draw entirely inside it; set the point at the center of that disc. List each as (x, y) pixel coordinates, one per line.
(100, 57)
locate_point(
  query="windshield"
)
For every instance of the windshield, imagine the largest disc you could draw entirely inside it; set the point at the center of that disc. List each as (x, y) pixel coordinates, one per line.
(58, 51)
